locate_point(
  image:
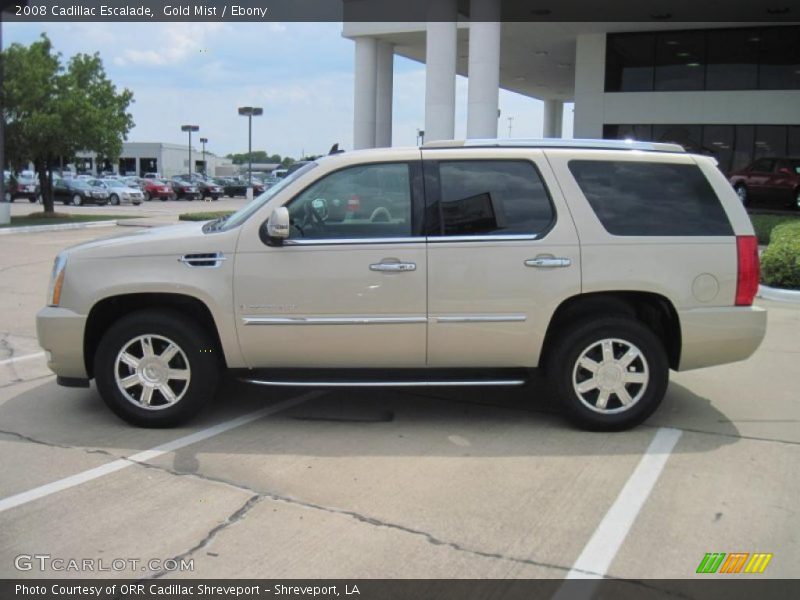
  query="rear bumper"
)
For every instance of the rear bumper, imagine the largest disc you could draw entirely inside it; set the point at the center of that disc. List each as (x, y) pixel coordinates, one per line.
(60, 332)
(715, 336)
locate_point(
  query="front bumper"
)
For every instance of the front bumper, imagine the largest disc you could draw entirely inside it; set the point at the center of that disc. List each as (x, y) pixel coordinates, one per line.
(60, 332)
(716, 336)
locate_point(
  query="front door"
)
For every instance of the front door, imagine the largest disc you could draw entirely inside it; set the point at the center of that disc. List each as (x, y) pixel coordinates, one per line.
(502, 253)
(347, 289)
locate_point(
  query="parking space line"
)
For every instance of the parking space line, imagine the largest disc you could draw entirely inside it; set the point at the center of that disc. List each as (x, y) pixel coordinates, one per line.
(607, 539)
(14, 359)
(146, 455)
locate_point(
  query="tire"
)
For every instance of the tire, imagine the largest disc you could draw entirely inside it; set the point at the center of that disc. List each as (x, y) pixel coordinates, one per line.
(32, 199)
(586, 342)
(147, 197)
(744, 196)
(796, 205)
(77, 200)
(194, 363)
(215, 197)
(164, 198)
(114, 200)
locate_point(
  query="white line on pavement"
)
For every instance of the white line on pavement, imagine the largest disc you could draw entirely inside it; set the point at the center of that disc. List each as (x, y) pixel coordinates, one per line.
(119, 464)
(603, 546)
(8, 361)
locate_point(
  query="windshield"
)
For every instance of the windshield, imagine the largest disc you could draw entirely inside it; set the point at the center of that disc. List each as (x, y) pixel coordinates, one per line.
(241, 215)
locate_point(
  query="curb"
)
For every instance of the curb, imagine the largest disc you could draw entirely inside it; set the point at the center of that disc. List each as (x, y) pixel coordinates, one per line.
(779, 295)
(58, 227)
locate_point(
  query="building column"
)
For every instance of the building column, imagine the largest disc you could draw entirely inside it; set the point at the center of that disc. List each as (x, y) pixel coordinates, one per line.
(440, 71)
(484, 68)
(590, 73)
(384, 80)
(364, 97)
(553, 117)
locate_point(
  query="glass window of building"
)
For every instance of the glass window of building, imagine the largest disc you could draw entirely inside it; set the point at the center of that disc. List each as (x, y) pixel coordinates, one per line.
(745, 136)
(779, 58)
(793, 142)
(688, 136)
(630, 62)
(732, 59)
(680, 61)
(770, 140)
(718, 141)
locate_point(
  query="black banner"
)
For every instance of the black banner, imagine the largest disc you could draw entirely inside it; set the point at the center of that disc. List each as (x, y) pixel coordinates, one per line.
(715, 587)
(656, 11)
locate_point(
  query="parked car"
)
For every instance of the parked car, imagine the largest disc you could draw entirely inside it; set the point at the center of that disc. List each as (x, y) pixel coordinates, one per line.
(184, 190)
(208, 188)
(78, 191)
(603, 263)
(238, 187)
(152, 176)
(157, 188)
(137, 182)
(23, 186)
(770, 180)
(119, 192)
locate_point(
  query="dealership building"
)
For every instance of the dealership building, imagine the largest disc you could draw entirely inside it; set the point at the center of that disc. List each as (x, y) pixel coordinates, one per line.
(727, 89)
(138, 158)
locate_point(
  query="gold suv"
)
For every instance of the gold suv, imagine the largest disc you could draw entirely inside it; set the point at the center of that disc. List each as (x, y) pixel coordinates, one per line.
(458, 263)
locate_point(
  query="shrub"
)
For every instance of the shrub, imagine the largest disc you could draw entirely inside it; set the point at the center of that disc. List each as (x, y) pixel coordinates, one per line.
(203, 216)
(764, 224)
(780, 263)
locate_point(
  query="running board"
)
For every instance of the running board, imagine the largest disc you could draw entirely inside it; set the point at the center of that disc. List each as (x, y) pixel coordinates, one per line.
(386, 384)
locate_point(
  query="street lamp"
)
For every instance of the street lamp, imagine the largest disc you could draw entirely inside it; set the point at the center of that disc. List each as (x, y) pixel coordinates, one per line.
(190, 129)
(204, 141)
(250, 112)
(420, 137)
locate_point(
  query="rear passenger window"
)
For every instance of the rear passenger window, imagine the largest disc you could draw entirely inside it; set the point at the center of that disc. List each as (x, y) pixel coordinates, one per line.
(645, 198)
(492, 197)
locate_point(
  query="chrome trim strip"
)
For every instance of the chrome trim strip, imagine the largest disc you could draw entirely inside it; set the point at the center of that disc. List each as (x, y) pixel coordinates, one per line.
(443, 239)
(354, 241)
(481, 319)
(252, 320)
(466, 382)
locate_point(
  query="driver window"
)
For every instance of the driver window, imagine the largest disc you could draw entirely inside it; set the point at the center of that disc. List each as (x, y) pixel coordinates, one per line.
(367, 201)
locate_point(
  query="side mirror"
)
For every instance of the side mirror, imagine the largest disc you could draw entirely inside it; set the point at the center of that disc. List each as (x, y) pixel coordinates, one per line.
(277, 226)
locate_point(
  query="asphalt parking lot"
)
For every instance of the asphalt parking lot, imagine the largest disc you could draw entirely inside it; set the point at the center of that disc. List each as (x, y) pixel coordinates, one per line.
(478, 483)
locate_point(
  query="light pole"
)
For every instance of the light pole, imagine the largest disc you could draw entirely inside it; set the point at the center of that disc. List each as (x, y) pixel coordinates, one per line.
(190, 129)
(204, 141)
(250, 112)
(420, 137)
(510, 122)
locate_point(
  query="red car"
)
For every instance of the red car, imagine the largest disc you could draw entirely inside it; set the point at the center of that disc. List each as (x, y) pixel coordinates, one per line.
(156, 188)
(772, 180)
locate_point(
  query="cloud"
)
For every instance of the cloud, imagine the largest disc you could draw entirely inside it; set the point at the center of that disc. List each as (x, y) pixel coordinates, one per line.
(176, 43)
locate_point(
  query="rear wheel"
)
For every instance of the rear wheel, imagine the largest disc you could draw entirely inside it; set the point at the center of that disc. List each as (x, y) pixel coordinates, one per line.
(114, 200)
(147, 197)
(156, 368)
(609, 374)
(77, 199)
(744, 196)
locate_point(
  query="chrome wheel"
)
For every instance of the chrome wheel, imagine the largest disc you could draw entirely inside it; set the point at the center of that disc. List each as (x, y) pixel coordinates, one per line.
(152, 372)
(741, 191)
(610, 376)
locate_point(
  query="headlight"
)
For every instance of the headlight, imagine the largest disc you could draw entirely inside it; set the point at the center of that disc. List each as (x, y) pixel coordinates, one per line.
(57, 280)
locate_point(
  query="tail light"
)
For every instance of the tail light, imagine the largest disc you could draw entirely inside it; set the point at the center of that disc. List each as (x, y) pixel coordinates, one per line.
(353, 204)
(747, 275)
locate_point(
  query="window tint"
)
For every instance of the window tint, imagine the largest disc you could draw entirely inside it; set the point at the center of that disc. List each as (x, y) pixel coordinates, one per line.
(644, 198)
(367, 201)
(493, 197)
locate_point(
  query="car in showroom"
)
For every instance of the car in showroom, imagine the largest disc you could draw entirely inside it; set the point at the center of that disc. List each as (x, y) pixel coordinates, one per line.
(770, 180)
(78, 192)
(184, 190)
(119, 192)
(603, 264)
(159, 189)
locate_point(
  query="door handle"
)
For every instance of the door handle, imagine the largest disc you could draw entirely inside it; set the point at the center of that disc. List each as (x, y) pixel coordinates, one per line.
(548, 262)
(395, 267)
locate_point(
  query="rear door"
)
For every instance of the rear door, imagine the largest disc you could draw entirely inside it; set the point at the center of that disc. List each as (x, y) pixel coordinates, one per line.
(502, 254)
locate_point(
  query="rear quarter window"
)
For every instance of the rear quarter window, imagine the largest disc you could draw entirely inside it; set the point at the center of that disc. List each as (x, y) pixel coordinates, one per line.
(650, 198)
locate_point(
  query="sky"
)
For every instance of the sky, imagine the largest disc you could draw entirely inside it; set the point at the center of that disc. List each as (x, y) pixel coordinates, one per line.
(300, 73)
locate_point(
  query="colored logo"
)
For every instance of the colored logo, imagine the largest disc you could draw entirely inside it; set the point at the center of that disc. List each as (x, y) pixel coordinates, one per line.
(733, 563)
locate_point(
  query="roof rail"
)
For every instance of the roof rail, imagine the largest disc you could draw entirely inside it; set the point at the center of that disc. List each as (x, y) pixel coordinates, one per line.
(556, 143)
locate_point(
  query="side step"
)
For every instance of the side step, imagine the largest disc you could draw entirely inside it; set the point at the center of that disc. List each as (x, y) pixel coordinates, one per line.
(387, 378)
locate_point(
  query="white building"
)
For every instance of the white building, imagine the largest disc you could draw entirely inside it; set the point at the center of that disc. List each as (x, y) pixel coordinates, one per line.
(731, 89)
(156, 157)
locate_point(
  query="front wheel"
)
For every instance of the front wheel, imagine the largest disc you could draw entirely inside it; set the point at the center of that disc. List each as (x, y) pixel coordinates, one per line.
(609, 374)
(147, 197)
(114, 200)
(77, 199)
(156, 368)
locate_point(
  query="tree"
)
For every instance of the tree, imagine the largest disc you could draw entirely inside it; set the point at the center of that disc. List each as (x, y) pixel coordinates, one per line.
(52, 112)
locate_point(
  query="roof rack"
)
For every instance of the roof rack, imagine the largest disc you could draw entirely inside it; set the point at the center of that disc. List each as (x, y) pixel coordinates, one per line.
(556, 143)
